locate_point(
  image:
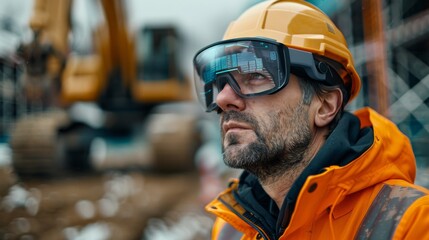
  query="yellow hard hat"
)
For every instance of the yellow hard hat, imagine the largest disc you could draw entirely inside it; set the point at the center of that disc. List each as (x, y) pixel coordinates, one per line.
(300, 25)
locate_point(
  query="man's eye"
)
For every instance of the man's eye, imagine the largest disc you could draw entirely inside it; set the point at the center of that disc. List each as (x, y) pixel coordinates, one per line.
(256, 79)
(257, 76)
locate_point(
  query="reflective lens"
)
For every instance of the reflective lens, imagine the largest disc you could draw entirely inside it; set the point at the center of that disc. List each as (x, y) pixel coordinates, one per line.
(250, 67)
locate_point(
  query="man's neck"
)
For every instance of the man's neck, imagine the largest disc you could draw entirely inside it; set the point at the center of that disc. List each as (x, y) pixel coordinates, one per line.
(279, 187)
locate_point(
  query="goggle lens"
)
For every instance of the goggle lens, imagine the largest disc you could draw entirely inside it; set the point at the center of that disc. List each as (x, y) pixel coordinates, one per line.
(250, 67)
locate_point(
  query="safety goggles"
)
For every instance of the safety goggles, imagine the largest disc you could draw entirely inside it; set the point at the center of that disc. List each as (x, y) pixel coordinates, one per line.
(251, 66)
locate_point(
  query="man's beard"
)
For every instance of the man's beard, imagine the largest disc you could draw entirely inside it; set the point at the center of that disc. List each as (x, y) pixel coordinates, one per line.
(280, 145)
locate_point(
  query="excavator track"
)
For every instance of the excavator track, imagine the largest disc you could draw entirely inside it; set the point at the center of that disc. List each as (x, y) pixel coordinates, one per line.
(34, 143)
(173, 139)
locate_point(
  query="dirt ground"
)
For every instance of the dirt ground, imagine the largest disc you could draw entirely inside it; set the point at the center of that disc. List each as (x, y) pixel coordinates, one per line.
(117, 205)
(110, 205)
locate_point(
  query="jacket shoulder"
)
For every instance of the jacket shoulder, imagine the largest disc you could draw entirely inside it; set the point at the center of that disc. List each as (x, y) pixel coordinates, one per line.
(414, 223)
(390, 212)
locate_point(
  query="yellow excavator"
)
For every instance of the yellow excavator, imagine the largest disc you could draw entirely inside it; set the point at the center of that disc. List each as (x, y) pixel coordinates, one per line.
(127, 76)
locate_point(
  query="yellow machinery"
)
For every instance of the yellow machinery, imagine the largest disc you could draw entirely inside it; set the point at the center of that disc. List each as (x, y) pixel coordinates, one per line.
(126, 86)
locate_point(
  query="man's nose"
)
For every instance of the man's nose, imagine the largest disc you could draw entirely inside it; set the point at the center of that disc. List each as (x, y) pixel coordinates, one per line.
(228, 100)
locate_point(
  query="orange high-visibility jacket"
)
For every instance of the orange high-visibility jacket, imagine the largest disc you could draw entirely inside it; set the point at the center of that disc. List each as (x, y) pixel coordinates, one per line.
(371, 197)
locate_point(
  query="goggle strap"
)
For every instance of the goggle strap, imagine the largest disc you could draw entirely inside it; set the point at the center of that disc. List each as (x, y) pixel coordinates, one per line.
(301, 59)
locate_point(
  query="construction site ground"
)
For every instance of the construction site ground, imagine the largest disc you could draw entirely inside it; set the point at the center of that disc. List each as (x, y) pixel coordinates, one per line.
(111, 205)
(115, 205)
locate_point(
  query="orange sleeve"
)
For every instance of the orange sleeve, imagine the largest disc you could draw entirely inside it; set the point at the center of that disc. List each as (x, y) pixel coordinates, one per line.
(217, 226)
(415, 222)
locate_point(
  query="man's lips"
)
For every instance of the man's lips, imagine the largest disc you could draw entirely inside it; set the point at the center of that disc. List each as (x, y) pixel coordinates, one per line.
(232, 125)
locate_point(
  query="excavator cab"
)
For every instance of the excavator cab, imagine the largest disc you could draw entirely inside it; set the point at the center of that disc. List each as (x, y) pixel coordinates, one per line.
(157, 53)
(158, 74)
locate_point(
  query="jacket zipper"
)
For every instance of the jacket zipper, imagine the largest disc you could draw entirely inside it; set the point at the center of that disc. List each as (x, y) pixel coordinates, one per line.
(248, 221)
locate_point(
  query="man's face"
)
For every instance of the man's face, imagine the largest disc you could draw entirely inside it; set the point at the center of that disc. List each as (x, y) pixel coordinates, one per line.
(267, 134)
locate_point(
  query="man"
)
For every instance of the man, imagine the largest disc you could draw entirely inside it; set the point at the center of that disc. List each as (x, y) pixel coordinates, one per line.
(280, 81)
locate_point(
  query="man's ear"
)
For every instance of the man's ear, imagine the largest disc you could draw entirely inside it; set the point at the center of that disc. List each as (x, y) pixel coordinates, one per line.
(330, 104)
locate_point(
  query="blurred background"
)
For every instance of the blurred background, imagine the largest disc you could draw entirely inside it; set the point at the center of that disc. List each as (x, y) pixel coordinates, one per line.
(100, 135)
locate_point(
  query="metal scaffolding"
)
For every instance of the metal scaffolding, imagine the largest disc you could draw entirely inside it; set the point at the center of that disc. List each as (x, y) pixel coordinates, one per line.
(390, 43)
(13, 102)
